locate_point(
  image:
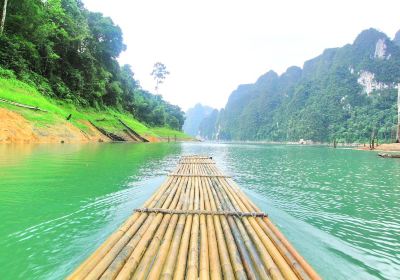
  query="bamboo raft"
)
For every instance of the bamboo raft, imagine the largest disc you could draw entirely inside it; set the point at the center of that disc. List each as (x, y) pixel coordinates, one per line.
(198, 225)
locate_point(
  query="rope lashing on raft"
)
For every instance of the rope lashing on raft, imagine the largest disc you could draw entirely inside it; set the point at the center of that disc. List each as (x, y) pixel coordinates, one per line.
(201, 212)
(198, 175)
(195, 157)
(196, 162)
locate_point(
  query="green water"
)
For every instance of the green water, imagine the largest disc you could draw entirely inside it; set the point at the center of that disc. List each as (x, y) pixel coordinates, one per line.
(340, 208)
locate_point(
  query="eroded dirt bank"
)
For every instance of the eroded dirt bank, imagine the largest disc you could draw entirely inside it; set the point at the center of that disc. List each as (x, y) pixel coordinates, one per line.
(14, 128)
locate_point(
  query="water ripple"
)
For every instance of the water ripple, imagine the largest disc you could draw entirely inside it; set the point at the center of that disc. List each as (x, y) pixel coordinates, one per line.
(340, 208)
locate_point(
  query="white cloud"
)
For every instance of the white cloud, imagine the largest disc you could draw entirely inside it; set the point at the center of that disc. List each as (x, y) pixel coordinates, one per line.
(212, 46)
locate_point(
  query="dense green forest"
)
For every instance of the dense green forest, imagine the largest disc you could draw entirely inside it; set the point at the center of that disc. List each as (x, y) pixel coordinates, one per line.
(70, 53)
(346, 94)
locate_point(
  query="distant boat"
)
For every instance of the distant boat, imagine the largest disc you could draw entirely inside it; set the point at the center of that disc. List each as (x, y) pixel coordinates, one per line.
(384, 155)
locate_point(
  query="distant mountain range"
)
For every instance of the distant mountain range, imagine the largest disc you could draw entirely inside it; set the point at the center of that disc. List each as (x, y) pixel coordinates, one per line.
(194, 116)
(344, 94)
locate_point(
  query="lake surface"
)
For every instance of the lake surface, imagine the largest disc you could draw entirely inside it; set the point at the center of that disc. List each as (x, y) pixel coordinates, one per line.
(340, 208)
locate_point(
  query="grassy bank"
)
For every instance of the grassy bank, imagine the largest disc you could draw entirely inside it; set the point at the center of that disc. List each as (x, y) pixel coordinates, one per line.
(58, 111)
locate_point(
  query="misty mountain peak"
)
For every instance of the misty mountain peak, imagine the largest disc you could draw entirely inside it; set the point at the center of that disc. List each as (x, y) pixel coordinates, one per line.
(267, 79)
(369, 37)
(373, 43)
(396, 39)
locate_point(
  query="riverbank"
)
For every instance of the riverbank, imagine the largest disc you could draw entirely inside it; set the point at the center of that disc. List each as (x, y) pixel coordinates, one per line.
(14, 128)
(26, 116)
(392, 147)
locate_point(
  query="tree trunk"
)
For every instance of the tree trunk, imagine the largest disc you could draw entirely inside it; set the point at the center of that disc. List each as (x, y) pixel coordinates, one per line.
(392, 135)
(385, 135)
(372, 140)
(3, 17)
(398, 114)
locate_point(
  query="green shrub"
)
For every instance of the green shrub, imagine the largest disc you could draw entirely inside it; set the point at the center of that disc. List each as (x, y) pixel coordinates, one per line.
(5, 73)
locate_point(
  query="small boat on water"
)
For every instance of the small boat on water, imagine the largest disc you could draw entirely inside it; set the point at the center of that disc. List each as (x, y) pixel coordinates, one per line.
(385, 155)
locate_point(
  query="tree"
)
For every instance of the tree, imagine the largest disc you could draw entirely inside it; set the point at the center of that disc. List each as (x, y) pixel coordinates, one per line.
(398, 114)
(70, 53)
(3, 17)
(159, 74)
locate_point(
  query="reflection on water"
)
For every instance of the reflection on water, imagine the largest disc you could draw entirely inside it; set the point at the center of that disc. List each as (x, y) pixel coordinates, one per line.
(340, 208)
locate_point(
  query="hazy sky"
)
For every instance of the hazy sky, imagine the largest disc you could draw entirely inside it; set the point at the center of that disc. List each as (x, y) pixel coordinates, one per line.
(212, 46)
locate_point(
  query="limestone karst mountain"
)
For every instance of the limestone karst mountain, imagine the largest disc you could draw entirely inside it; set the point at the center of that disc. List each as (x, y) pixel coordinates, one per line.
(345, 93)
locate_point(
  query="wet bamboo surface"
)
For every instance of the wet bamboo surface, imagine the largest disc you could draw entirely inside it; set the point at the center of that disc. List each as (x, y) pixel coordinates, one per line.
(198, 225)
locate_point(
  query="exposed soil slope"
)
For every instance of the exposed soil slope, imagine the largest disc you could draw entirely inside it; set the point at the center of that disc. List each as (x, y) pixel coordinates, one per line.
(14, 128)
(27, 116)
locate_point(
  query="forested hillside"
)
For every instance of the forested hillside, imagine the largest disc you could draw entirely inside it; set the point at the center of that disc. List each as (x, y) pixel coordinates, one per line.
(345, 94)
(70, 53)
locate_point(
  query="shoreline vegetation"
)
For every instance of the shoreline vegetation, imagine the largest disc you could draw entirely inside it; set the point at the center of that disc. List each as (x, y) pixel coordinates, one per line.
(387, 147)
(29, 117)
(61, 81)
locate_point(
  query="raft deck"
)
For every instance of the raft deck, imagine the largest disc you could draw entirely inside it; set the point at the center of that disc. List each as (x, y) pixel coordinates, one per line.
(198, 225)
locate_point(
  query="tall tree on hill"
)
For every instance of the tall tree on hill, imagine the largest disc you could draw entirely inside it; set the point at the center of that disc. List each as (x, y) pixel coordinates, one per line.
(159, 74)
(70, 53)
(3, 16)
(398, 113)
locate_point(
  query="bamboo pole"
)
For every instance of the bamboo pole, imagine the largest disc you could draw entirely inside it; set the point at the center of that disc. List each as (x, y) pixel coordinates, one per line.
(192, 272)
(171, 240)
(147, 260)
(139, 245)
(282, 249)
(233, 252)
(272, 270)
(112, 263)
(299, 263)
(204, 263)
(231, 261)
(120, 237)
(213, 245)
(180, 267)
(272, 251)
(244, 254)
(155, 270)
(279, 245)
(254, 262)
(171, 261)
